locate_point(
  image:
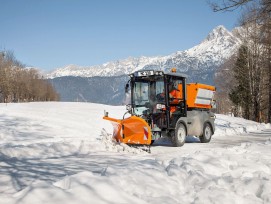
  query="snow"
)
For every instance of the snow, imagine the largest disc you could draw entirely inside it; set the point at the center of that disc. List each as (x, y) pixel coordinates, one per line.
(63, 153)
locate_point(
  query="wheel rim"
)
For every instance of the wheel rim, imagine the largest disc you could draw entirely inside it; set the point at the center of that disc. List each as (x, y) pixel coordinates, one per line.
(208, 132)
(181, 134)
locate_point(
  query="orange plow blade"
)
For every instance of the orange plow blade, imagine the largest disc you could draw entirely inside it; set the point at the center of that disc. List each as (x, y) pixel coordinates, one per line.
(132, 130)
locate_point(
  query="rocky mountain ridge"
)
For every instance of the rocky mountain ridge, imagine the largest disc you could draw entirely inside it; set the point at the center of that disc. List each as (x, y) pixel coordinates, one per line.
(219, 45)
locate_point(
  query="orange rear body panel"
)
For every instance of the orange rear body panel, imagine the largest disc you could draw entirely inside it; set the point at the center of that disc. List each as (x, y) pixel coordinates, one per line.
(198, 95)
(132, 130)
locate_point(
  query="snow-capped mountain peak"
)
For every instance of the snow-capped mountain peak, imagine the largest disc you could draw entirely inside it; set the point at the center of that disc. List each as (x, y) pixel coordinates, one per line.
(219, 45)
(218, 32)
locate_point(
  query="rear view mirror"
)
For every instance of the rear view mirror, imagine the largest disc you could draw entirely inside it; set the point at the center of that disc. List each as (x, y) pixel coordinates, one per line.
(127, 88)
(129, 108)
(213, 104)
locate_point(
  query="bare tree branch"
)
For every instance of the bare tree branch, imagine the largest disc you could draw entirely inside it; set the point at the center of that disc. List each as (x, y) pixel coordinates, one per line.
(227, 5)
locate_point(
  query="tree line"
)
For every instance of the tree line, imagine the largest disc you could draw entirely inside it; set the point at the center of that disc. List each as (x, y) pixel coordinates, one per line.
(244, 81)
(20, 84)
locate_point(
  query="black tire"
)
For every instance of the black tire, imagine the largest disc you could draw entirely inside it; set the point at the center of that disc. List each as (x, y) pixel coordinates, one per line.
(207, 133)
(178, 138)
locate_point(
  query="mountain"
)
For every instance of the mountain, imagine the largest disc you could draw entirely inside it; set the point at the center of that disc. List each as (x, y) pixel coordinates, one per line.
(105, 90)
(199, 63)
(210, 53)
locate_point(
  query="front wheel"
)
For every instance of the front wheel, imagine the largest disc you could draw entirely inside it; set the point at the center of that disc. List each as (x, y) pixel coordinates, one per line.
(207, 133)
(178, 139)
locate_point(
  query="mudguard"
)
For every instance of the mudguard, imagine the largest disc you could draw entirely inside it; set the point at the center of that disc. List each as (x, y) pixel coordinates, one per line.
(131, 130)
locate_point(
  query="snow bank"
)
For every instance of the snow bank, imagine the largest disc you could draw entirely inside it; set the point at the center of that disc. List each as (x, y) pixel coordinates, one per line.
(111, 145)
(228, 125)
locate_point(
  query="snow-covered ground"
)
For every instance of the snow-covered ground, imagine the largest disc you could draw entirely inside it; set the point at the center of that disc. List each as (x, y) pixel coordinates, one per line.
(63, 153)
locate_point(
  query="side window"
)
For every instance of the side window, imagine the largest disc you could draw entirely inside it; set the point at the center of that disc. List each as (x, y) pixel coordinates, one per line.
(175, 89)
(177, 83)
(141, 93)
(160, 87)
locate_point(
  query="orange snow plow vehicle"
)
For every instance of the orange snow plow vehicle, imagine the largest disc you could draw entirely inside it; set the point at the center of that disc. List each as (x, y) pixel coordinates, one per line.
(162, 104)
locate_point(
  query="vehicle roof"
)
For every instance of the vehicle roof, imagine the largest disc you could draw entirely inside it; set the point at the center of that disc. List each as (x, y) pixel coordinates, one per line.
(181, 75)
(175, 74)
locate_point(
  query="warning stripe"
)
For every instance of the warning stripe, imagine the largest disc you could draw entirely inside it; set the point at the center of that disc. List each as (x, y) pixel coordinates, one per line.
(146, 133)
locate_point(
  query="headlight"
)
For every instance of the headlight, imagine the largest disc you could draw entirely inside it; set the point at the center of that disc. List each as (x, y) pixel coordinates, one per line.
(159, 73)
(145, 73)
(160, 106)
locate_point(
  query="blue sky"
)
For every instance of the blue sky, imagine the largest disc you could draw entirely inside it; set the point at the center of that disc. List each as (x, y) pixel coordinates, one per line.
(49, 34)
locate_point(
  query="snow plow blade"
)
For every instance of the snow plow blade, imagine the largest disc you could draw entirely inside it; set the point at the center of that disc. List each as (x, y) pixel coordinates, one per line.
(132, 130)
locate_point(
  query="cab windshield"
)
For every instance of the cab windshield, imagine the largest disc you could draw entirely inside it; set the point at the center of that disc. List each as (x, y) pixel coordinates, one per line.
(146, 93)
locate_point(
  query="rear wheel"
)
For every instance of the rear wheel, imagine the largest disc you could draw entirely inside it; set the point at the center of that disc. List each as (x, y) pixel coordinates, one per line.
(178, 138)
(207, 133)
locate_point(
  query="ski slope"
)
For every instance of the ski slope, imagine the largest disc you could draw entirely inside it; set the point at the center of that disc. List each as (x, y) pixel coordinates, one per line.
(63, 153)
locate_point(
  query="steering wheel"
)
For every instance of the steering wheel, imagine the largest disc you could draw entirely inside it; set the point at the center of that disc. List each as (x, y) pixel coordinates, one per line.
(159, 97)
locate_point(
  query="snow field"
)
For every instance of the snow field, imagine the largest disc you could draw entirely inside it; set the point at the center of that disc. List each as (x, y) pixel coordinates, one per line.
(63, 152)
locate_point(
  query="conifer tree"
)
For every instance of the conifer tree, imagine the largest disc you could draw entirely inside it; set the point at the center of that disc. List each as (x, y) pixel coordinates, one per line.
(257, 19)
(240, 95)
